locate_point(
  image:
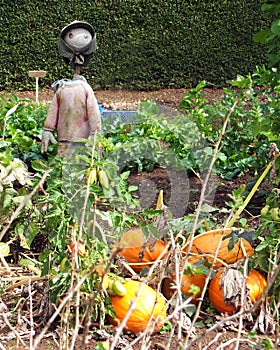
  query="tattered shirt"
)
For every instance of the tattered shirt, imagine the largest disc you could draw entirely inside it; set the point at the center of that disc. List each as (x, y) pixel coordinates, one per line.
(74, 112)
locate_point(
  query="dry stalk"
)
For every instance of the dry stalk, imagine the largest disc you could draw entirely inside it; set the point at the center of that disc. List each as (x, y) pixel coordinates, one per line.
(208, 278)
(199, 206)
(75, 276)
(99, 290)
(213, 341)
(252, 192)
(4, 262)
(22, 280)
(179, 298)
(82, 220)
(242, 301)
(31, 315)
(64, 302)
(7, 322)
(220, 323)
(226, 345)
(145, 342)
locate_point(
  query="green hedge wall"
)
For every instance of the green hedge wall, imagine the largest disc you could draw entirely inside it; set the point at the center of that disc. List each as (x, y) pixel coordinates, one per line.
(142, 44)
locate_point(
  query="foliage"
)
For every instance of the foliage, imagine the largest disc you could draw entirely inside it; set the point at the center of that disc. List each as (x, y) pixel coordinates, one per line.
(153, 140)
(252, 126)
(271, 36)
(13, 171)
(21, 122)
(141, 44)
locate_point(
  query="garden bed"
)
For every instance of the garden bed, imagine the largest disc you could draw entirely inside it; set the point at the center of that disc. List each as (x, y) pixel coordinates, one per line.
(159, 179)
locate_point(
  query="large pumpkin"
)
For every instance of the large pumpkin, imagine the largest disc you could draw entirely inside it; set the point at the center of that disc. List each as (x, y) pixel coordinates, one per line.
(138, 256)
(255, 282)
(149, 305)
(207, 244)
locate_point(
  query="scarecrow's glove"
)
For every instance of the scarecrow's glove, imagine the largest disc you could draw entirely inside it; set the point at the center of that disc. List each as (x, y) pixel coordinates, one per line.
(47, 136)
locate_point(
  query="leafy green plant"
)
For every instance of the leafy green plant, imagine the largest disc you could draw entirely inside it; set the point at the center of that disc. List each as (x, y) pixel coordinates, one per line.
(21, 122)
(272, 35)
(251, 127)
(15, 180)
(155, 140)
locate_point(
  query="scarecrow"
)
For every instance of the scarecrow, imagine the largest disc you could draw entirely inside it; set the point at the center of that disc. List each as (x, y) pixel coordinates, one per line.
(74, 112)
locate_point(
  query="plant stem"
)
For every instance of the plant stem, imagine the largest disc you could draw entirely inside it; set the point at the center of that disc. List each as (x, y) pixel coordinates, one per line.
(253, 190)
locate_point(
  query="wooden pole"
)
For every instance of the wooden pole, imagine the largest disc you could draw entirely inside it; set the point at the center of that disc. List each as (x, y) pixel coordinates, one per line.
(37, 74)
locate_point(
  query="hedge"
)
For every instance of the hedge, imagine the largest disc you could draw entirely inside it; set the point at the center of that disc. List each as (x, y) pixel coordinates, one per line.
(142, 44)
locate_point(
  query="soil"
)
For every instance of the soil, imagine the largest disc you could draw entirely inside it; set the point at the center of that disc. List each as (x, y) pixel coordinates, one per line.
(130, 99)
(169, 98)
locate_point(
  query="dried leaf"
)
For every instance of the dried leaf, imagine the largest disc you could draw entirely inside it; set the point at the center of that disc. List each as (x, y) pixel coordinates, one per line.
(234, 282)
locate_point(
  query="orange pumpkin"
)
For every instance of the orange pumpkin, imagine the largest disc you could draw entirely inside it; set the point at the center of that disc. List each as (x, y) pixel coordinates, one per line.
(255, 282)
(131, 246)
(207, 244)
(149, 305)
(188, 280)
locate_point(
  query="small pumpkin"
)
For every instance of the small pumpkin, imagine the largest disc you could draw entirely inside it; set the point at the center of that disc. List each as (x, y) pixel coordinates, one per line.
(138, 256)
(189, 279)
(255, 282)
(149, 304)
(207, 243)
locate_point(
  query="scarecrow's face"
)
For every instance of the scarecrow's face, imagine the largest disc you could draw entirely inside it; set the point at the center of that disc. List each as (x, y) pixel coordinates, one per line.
(78, 38)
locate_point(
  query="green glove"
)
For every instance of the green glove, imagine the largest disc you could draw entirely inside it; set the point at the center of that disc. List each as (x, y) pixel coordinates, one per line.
(47, 136)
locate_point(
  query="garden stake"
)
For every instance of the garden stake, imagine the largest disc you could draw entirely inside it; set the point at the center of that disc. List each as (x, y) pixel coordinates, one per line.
(250, 195)
(37, 74)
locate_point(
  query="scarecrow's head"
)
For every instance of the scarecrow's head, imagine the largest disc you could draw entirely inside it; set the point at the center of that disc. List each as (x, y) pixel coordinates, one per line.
(77, 43)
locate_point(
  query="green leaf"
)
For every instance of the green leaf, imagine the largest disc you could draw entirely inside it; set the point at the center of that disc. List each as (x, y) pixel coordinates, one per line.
(31, 233)
(39, 165)
(23, 242)
(261, 37)
(26, 262)
(11, 111)
(4, 249)
(242, 82)
(275, 28)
